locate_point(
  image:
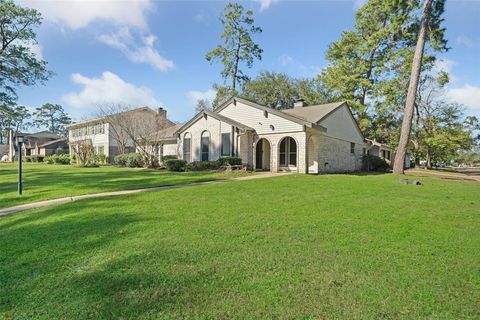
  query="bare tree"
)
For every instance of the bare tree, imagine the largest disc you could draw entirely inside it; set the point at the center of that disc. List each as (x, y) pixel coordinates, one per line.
(84, 152)
(139, 127)
(109, 112)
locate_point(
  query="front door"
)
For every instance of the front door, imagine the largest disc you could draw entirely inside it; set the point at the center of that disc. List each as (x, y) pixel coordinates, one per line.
(259, 155)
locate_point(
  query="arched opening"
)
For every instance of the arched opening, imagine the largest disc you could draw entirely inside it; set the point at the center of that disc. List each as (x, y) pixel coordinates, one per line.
(262, 154)
(288, 153)
(187, 147)
(205, 146)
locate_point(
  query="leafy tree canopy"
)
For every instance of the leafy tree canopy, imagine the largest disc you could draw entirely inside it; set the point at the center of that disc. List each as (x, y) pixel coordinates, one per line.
(53, 117)
(18, 65)
(238, 46)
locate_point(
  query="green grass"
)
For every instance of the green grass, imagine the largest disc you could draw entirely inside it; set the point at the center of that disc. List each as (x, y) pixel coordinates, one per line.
(44, 182)
(291, 247)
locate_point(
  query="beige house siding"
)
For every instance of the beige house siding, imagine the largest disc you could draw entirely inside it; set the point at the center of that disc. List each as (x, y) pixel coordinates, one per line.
(255, 118)
(334, 155)
(215, 128)
(341, 125)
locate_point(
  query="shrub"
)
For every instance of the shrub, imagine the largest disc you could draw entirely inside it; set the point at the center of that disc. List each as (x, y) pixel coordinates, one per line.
(374, 163)
(233, 161)
(57, 159)
(100, 158)
(135, 160)
(120, 160)
(169, 157)
(28, 158)
(203, 165)
(37, 158)
(176, 165)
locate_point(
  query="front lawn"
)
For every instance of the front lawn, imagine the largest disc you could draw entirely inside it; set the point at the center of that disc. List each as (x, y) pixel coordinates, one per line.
(44, 181)
(290, 247)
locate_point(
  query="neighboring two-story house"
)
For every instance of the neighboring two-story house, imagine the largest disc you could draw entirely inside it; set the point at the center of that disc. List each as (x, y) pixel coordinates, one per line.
(107, 135)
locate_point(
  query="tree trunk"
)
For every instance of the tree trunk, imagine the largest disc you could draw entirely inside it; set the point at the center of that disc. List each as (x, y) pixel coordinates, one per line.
(235, 68)
(429, 158)
(412, 91)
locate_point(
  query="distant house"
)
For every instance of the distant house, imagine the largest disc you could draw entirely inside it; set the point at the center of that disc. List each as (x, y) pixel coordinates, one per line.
(304, 139)
(43, 143)
(383, 151)
(378, 149)
(105, 133)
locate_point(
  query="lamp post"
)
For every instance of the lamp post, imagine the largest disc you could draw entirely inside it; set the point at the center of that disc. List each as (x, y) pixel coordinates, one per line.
(19, 148)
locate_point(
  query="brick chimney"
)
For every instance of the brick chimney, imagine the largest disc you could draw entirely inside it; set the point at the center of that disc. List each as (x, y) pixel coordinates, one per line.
(300, 103)
(162, 112)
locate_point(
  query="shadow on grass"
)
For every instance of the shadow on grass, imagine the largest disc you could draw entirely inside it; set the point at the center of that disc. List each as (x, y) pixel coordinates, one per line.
(64, 253)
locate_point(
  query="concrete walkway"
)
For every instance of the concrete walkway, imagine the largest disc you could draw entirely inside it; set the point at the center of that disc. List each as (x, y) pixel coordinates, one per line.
(47, 203)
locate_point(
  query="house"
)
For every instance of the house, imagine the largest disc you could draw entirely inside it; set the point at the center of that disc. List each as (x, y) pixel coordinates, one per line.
(58, 146)
(378, 149)
(304, 139)
(107, 135)
(43, 143)
(385, 152)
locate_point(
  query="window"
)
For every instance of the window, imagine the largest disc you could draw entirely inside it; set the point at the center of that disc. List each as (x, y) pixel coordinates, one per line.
(388, 155)
(352, 148)
(187, 146)
(288, 152)
(364, 151)
(101, 150)
(226, 145)
(205, 145)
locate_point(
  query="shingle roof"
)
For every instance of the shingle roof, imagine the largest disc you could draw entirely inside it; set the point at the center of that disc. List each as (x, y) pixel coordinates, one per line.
(167, 133)
(314, 114)
(52, 142)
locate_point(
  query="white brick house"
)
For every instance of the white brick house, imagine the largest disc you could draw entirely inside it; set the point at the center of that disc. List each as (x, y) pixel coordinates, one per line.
(304, 139)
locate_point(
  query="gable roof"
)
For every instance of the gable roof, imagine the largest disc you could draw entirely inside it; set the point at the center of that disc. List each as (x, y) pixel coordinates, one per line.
(316, 113)
(102, 119)
(213, 115)
(167, 133)
(52, 142)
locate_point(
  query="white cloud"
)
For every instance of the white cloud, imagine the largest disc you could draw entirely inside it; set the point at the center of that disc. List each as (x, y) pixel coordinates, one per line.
(37, 50)
(139, 49)
(446, 65)
(467, 42)
(194, 96)
(467, 95)
(265, 4)
(80, 13)
(109, 88)
(285, 60)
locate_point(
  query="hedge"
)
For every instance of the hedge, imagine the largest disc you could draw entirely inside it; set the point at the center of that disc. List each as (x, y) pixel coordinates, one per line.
(57, 159)
(233, 161)
(203, 165)
(374, 163)
(176, 165)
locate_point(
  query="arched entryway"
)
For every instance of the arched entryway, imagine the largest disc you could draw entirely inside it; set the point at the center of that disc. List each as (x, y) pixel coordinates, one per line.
(262, 154)
(288, 153)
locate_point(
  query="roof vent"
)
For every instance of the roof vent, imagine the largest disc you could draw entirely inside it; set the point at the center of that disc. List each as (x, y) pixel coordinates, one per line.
(300, 103)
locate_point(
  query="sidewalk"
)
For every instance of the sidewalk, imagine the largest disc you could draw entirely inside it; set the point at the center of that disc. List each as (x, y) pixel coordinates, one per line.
(47, 203)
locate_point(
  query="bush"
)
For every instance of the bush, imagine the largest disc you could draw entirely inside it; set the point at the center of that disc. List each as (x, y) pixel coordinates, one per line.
(169, 157)
(57, 159)
(134, 160)
(203, 165)
(233, 161)
(28, 158)
(100, 158)
(176, 165)
(374, 163)
(120, 160)
(37, 158)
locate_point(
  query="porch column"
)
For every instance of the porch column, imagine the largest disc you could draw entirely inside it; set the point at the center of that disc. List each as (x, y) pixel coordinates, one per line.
(302, 165)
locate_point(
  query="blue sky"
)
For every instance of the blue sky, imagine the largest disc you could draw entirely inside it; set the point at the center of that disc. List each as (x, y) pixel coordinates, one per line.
(152, 52)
